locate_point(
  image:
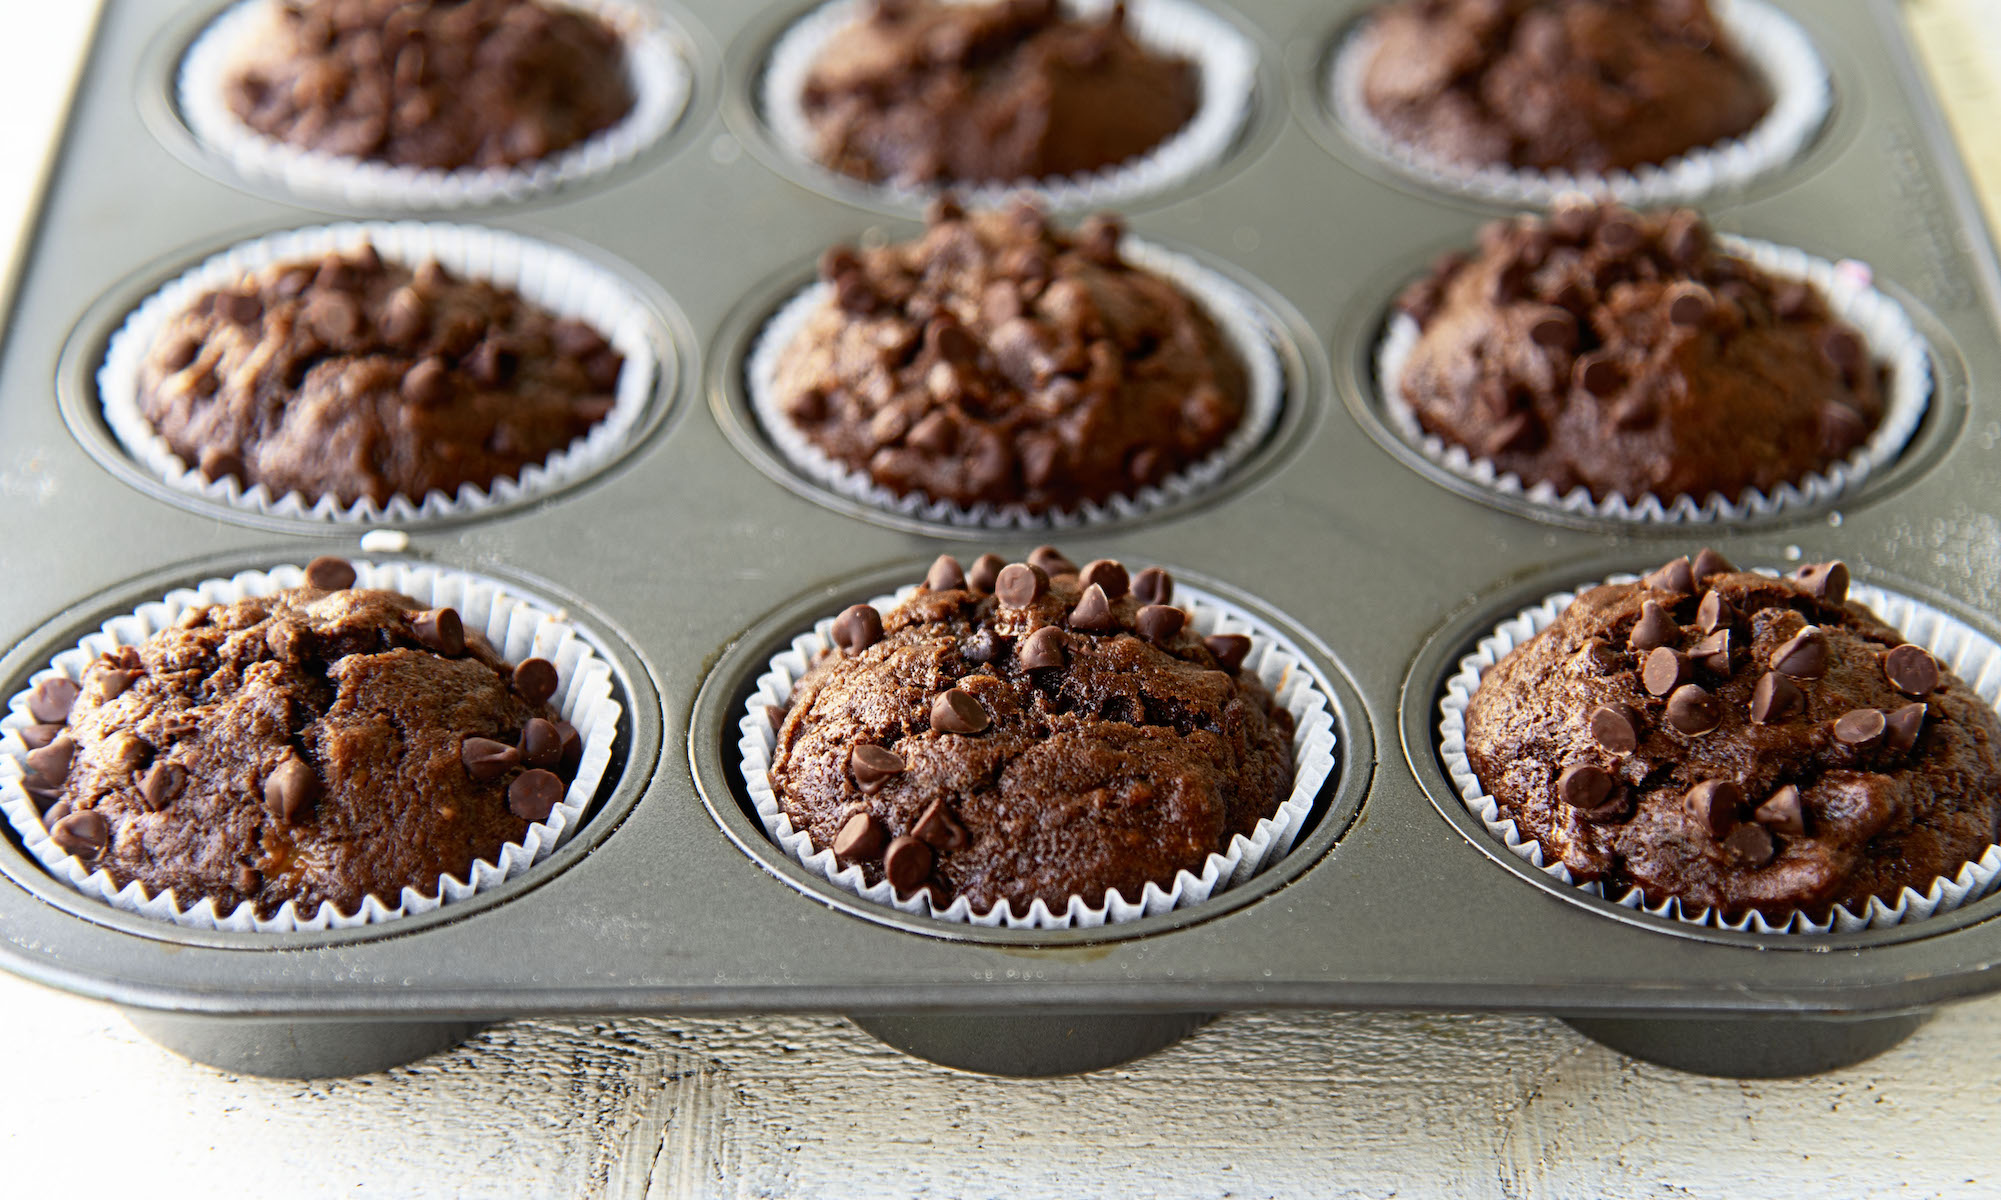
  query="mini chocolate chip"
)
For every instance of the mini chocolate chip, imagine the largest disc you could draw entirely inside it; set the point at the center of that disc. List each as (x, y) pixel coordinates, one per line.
(906, 864)
(428, 382)
(1153, 586)
(986, 571)
(1107, 573)
(1675, 576)
(1713, 805)
(955, 711)
(1555, 330)
(52, 699)
(1783, 812)
(1042, 649)
(1775, 698)
(1158, 623)
(1093, 612)
(441, 630)
(44, 770)
(1598, 375)
(1664, 670)
(1691, 306)
(161, 783)
(535, 679)
(1749, 846)
(330, 574)
(1861, 728)
(1910, 670)
(1708, 562)
(872, 766)
(1713, 652)
(534, 795)
(290, 791)
(1905, 724)
(1230, 649)
(945, 574)
(486, 759)
(1051, 560)
(861, 837)
(1826, 581)
(1693, 711)
(34, 737)
(1803, 655)
(540, 746)
(1614, 728)
(84, 834)
(1021, 584)
(1654, 629)
(1714, 612)
(857, 628)
(1587, 788)
(937, 828)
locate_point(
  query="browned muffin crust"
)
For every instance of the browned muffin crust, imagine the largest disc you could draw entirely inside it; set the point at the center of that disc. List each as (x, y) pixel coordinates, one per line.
(996, 360)
(352, 377)
(1809, 759)
(923, 91)
(1581, 85)
(1028, 735)
(472, 83)
(1624, 353)
(319, 744)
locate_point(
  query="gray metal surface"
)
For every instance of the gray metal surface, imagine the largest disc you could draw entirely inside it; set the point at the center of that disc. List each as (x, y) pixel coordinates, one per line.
(686, 545)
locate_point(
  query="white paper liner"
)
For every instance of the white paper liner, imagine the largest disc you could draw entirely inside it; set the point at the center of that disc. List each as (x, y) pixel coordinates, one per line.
(1967, 652)
(559, 281)
(1772, 42)
(1882, 322)
(516, 627)
(1236, 314)
(1273, 658)
(655, 67)
(1227, 60)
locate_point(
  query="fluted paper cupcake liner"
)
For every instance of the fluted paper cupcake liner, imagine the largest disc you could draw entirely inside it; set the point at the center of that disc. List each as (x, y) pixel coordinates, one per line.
(1228, 62)
(560, 281)
(1892, 339)
(1236, 314)
(1968, 653)
(516, 627)
(1273, 659)
(655, 66)
(1772, 42)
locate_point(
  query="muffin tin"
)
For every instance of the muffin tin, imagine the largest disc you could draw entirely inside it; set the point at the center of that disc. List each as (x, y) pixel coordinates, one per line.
(696, 554)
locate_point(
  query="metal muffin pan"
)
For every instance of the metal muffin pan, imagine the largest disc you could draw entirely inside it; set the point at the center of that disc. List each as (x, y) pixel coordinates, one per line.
(686, 557)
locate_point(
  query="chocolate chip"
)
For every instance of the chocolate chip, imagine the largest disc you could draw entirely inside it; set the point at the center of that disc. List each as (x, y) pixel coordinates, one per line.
(985, 646)
(857, 628)
(44, 770)
(1598, 375)
(1042, 649)
(1775, 698)
(946, 339)
(1693, 711)
(1051, 560)
(1826, 581)
(836, 261)
(1654, 629)
(986, 572)
(1158, 623)
(1230, 649)
(1675, 576)
(945, 574)
(937, 828)
(486, 759)
(112, 682)
(535, 679)
(1862, 728)
(1093, 612)
(1664, 670)
(1589, 789)
(1691, 306)
(1844, 350)
(540, 745)
(861, 837)
(1841, 429)
(1910, 670)
(160, 784)
(1905, 724)
(1614, 728)
(248, 881)
(1783, 812)
(84, 834)
(906, 864)
(1708, 562)
(1713, 652)
(1713, 805)
(534, 795)
(56, 812)
(330, 574)
(573, 748)
(872, 766)
(427, 383)
(52, 699)
(290, 791)
(441, 630)
(1714, 612)
(1619, 233)
(1107, 573)
(179, 353)
(237, 308)
(955, 711)
(1020, 584)
(853, 294)
(1749, 846)
(1153, 586)
(34, 737)
(1803, 655)
(1555, 331)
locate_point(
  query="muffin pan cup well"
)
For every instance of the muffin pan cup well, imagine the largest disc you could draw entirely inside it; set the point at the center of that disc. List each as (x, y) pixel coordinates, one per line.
(683, 557)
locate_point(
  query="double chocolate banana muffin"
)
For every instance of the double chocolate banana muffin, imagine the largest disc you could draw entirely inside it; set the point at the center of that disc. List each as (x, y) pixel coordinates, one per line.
(1627, 354)
(351, 377)
(1028, 731)
(925, 91)
(999, 361)
(325, 743)
(1740, 742)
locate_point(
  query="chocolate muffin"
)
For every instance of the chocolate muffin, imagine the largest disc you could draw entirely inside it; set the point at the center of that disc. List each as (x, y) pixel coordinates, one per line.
(473, 83)
(1577, 85)
(1739, 742)
(325, 743)
(1628, 355)
(1030, 731)
(927, 91)
(352, 377)
(998, 361)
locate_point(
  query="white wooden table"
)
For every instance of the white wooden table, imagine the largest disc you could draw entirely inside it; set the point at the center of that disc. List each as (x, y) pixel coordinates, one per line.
(1256, 1104)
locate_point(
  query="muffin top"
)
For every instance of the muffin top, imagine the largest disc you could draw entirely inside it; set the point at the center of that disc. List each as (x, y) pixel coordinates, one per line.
(997, 360)
(472, 83)
(1030, 731)
(320, 744)
(924, 91)
(1738, 741)
(1626, 354)
(351, 377)
(1578, 85)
